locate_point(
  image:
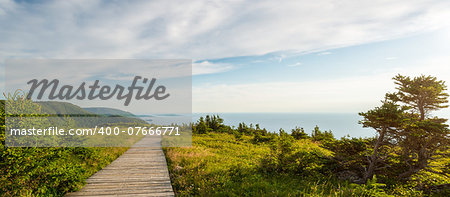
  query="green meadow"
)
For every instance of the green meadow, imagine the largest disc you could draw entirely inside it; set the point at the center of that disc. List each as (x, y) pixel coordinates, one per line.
(409, 156)
(51, 171)
(227, 163)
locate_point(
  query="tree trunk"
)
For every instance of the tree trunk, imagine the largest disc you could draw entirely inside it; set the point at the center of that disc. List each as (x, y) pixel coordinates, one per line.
(422, 163)
(374, 157)
(421, 111)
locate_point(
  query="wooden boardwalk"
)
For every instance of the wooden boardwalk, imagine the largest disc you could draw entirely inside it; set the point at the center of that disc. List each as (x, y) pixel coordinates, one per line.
(140, 171)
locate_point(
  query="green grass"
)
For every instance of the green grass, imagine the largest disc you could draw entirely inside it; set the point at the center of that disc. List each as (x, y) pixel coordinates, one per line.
(53, 171)
(221, 165)
(50, 171)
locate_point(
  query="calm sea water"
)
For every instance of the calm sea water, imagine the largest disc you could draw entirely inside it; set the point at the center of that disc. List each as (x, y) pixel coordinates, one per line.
(340, 124)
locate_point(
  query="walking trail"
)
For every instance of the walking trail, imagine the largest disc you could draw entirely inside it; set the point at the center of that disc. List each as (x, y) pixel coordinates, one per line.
(140, 171)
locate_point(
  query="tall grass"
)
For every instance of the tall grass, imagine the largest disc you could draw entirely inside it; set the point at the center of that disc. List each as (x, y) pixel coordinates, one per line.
(220, 164)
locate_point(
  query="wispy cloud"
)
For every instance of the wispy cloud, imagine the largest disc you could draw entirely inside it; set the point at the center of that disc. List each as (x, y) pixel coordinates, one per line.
(351, 94)
(201, 29)
(295, 65)
(206, 67)
(311, 96)
(324, 53)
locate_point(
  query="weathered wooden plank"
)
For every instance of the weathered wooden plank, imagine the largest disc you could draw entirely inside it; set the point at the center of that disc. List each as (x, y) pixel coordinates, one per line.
(141, 171)
(124, 191)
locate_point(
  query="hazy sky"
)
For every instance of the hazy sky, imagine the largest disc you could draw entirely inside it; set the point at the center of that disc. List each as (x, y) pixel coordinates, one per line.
(249, 56)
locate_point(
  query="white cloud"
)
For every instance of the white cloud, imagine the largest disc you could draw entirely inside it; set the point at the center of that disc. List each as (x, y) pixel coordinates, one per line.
(434, 66)
(207, 67)
(201, 29)
(325, 53)
(74, 72)
(295, 65)
(353, 94)
(342, 95)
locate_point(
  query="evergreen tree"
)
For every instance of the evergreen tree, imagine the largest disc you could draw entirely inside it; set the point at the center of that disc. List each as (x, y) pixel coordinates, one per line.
(299, 133)
(405, 120)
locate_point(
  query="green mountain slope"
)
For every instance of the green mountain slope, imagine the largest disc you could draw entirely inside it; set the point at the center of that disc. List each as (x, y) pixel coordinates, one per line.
(63, 108)
(84, 118)
(108, 111)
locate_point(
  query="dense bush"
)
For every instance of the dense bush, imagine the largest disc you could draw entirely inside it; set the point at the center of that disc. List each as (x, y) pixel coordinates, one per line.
(299, 133)
(218, 164)
(50, 171)
(315, 157)
(297, 157)
(2, 121)
(324, 137)
(349, 158)
(32, 171)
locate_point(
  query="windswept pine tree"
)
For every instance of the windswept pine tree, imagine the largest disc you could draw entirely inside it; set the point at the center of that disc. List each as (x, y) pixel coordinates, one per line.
(405, 120)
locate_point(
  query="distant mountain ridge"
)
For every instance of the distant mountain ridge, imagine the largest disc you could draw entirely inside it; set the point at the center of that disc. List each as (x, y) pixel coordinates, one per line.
(63, 108)
(108, 111)
(88, 117)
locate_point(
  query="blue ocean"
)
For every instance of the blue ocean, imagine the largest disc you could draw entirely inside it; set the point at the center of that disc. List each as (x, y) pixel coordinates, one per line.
(341, 124)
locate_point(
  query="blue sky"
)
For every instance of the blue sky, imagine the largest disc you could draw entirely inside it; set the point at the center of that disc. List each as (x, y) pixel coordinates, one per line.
(356, 76)
(365, 59)
(249, 56)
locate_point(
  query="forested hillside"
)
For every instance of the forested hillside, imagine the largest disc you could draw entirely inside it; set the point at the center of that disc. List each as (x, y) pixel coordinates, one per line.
(89, 117)
(109, 111)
